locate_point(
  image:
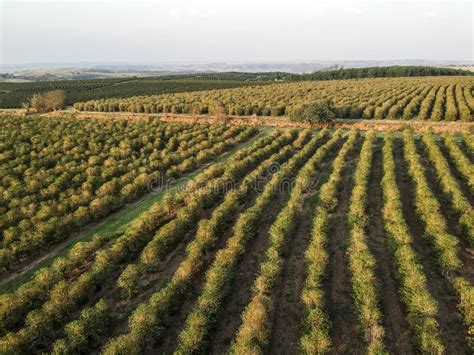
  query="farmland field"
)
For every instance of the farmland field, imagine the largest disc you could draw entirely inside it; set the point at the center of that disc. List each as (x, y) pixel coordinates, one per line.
(426, 98)
(278, 241)
(13, 95)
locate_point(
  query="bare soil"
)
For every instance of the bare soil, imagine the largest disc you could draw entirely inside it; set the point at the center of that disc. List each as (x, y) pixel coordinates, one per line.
(338, 290)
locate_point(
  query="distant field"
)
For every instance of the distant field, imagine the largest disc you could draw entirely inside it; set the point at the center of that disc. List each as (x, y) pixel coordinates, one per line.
(471, 68)
(295, 241)
(12, 95)
(426, 98)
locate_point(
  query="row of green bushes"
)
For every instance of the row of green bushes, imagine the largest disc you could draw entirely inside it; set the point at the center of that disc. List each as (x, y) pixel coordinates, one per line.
(66, 296)
(429, 209)
(352, 99)
(422, 309)
(150, 316)
(315, 337)
(450, 187)
(110, 196)
(187, 217)
(254, 332)
(460, 160)
(15, 305)
(219, 276)
(361, 261)
(444, 244)
(79, 333)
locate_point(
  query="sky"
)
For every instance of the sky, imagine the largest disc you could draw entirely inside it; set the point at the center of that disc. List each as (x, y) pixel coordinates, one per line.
(233, 31)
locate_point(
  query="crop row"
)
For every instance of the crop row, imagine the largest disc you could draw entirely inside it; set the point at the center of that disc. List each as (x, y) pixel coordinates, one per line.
(207, 236)
(460, 160)
(422, 309)
(360, 259)
(219, 276)
(187, 217)
(451, 187)
(315, 337)
(151, 314)
(254, 332)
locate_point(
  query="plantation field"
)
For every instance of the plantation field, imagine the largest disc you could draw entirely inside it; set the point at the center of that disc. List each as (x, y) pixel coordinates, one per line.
(13, 95)
(426, 98)
(295, 241)
(59, 175)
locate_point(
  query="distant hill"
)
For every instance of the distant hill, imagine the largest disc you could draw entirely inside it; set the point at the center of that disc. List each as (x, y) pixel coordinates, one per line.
(104, 70)
(342, 73)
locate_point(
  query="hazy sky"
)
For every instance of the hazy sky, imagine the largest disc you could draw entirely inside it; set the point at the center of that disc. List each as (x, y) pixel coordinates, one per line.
(233, 30)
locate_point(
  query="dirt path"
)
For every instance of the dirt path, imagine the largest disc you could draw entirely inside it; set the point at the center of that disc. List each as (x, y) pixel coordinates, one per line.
(279, 121)
(288, 312)
(394, 314)
(25, 266)
(452, 330)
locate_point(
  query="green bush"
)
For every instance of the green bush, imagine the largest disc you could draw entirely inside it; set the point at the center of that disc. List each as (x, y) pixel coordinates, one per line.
(321, 111)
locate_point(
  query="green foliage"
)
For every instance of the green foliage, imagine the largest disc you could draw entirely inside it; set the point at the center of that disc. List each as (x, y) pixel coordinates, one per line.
(321, 111)
(460, 160)
(128, 280)
(57, 309)
(143, 328)
(79, 333)
(47, 101)
(361, 260)
(429, 209)
(14, 94)
(444, 244)
(87, 169)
